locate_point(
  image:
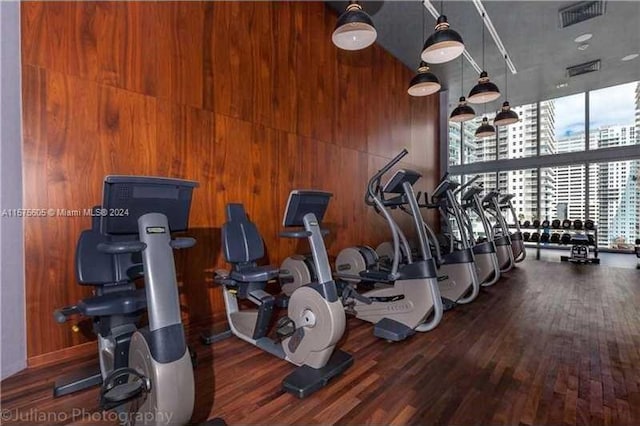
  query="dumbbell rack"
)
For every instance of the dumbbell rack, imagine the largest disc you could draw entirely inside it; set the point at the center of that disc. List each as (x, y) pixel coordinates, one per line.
(571, 230)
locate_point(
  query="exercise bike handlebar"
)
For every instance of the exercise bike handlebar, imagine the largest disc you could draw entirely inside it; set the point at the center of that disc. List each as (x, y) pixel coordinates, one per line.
(61, 315)
(119, 247)
(374, 182)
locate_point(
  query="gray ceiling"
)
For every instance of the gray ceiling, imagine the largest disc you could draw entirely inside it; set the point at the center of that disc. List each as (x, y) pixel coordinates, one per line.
(530, 31)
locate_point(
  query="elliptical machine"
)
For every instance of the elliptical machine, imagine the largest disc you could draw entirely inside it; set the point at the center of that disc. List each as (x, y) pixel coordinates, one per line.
(315, 319)
(484, 248)
(461, 284)
(500, 231)
(517, 242)
(405, 299)
(146, 372)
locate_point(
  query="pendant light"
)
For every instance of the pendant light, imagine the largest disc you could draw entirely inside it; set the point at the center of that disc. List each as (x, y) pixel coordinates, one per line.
(485, 130)
(462, 112)
(354, 29)
(444, 44)
(485, 91)
(506, 116)
(424, 83)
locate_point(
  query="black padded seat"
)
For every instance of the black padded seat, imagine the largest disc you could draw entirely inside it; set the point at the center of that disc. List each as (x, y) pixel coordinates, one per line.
(242, 245)
(120, 303)
(255, 273)
(96, 268)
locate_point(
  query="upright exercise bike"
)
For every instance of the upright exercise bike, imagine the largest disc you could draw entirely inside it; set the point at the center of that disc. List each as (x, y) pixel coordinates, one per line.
(146, 372)
(315, 320)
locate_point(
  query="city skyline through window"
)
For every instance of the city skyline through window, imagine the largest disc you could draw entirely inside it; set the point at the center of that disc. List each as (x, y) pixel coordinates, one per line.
(606, 192)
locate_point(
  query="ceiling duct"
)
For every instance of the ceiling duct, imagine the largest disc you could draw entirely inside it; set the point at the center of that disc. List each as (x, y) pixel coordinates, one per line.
(585, 68)
(579, 12)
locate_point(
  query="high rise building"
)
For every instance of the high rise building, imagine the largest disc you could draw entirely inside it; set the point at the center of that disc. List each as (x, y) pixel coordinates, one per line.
(520, 140)
(461, 140)
(570, 197)
(617, 190)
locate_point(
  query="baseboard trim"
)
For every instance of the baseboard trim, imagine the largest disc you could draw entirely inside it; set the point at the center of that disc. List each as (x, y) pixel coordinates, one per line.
(83, 349)
(63, 354)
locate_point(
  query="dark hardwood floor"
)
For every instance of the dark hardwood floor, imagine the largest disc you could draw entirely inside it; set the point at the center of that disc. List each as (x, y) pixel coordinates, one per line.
(550, 344)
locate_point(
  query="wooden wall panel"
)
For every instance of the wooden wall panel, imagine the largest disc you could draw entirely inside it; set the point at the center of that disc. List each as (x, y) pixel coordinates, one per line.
(249, 99)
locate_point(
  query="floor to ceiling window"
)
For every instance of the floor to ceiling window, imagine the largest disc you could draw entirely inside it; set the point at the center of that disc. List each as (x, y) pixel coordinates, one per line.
(520, 139)
(477, 149)
(455, 143)
(562, 127)
(614, 116)
(554, 173)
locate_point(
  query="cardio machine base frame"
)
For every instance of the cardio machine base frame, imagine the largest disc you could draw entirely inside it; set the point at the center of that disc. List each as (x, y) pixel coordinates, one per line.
(305, 380)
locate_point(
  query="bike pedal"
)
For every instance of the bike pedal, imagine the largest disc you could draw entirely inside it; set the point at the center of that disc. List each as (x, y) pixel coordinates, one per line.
(285, 327)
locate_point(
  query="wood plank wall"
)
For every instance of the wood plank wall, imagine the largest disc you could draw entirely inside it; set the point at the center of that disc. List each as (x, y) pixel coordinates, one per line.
(250, 99)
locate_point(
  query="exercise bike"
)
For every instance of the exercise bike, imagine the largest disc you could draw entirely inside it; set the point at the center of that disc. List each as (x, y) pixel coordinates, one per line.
(315, 320)
(146, 372)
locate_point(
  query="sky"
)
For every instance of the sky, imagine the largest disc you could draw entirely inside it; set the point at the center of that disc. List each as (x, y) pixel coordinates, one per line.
(611, 105)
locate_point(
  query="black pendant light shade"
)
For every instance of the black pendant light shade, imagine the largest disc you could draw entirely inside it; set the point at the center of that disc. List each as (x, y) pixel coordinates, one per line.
(485, 91)
(463, 112)
(424, 82)
(443, 45)
(506, 116)
(485, 130)
(354, 29)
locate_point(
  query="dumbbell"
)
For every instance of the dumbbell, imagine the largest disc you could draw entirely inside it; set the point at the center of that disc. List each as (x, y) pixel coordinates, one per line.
(526, 223)
(566, 238)
(545, 223)
(566, 224)
(577, 224)
(592, 240)
(535, 237)
(526, 236)
(536, 223)
(638, 241)
(544, 238)
(589, 224)
(555, 224)
(555, 238)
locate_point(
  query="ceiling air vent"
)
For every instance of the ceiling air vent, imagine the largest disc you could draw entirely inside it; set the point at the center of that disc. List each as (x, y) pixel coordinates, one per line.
(585, 68)
(581, 11)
